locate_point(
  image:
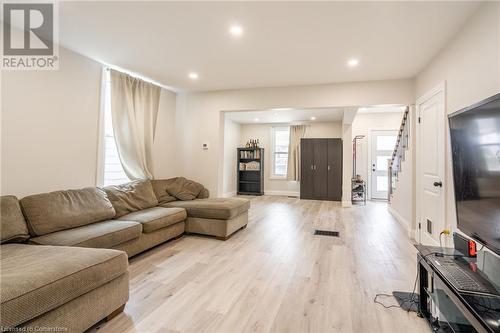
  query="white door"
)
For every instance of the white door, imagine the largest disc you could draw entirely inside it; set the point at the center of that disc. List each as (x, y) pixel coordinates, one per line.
(430, 166)
(383, 144)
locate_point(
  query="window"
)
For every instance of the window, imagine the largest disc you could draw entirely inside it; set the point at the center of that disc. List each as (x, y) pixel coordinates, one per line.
(280, 142)
(113, 172)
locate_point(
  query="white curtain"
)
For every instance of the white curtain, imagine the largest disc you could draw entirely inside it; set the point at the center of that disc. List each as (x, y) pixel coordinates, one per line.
(134, 109)
(297, 132)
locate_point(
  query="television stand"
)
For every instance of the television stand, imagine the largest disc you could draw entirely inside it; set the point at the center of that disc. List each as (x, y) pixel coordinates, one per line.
(448, 309)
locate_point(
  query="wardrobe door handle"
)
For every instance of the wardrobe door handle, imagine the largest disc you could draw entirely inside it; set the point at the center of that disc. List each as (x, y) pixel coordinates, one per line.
(312, 167)
(329, 168)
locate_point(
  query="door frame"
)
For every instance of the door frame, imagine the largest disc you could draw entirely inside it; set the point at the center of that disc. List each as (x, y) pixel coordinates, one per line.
(369, 157)
(440, 88)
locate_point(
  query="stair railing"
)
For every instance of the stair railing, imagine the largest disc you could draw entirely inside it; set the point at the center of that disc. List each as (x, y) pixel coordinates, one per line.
(399, 153)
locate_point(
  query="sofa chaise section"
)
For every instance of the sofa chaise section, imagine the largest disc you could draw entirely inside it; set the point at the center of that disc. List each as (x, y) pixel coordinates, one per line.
(214, 216)
(219, 217)
(40, 279)
(70, 288)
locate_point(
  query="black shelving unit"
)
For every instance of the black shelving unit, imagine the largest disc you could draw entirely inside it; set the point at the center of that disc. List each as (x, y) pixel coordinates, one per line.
(250, 171)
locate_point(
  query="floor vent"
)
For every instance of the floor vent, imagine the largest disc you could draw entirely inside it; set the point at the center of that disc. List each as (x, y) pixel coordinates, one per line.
(326, 233)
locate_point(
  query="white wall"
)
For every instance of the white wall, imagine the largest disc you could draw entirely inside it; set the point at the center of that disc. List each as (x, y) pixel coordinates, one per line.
(232, 139)
(470, 66)
(263, 133)
(200, 118)
(50, 126)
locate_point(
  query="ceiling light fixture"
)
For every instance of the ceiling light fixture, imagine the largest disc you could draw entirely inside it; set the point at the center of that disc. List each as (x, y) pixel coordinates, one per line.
(313, 118)
(193, 76)
(236, 30)
(256, 119)
(281, 109)
(353, 62)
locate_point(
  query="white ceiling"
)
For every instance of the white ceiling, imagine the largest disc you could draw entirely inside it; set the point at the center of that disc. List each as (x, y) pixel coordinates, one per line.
(284, 43)
(278, 116)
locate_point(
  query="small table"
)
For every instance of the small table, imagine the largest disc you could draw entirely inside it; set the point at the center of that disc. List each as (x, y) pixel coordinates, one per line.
(448, 309)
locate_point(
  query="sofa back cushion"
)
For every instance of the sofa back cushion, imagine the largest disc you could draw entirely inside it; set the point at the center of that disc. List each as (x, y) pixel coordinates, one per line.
(13, 228)
(160, 189)
(184, 189)
(61, 210)
(204, 194)
(131, 197)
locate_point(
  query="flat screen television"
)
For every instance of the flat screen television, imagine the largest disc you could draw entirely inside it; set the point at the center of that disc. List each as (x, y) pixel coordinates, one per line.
(475, 146)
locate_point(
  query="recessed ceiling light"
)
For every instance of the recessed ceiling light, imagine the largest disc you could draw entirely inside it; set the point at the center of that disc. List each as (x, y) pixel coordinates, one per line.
(353, 62)
(236, 30)
(313, 118)
(256, 119)
(193, 76)
(281, 109)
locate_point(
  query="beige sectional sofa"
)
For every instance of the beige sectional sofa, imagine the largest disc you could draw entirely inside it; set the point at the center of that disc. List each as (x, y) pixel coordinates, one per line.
(78, 278)
(55, 288)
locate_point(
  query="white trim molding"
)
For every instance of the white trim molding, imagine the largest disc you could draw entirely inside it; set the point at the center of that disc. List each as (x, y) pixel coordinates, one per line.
(347, 203)
(404, 223)
(283, 193)
(229, 194)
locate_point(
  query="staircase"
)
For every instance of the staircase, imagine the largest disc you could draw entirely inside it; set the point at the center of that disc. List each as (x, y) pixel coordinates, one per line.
(399, 153)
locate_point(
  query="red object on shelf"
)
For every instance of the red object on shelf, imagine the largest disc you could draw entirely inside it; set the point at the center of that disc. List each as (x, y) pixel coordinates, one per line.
(472, 249)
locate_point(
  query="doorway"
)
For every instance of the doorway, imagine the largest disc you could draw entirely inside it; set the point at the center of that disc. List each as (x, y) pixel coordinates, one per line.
(382, 147)
(430, 166)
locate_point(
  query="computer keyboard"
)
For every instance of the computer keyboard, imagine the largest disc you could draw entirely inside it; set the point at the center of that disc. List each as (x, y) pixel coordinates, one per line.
(463, 279)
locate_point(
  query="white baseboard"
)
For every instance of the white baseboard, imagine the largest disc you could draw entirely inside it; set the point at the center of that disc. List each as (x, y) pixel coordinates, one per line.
(229, 194)
(401, 220)
(283, 193)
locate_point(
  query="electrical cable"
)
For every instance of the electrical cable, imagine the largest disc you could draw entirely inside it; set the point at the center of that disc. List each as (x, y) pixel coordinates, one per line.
(411, 299)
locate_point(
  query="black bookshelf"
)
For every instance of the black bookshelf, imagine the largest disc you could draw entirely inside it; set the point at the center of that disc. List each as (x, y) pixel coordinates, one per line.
(250, 171)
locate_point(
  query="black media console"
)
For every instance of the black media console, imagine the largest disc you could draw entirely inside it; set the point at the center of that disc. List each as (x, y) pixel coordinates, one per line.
(443, 301)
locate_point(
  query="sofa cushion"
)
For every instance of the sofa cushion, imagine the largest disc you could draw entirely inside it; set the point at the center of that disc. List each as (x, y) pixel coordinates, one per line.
(60, 210)
(160, 189)
(131, 197)
(101, 235)
(184, 189)
(12, 224)
(216, 208)
(204, 194)
(156, 218)
(37, 279)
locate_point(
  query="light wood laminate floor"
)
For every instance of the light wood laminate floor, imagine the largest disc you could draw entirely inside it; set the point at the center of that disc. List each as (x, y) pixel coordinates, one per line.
(276, 276)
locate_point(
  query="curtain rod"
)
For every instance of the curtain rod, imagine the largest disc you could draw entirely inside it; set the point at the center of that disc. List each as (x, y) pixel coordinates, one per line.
(140, 77)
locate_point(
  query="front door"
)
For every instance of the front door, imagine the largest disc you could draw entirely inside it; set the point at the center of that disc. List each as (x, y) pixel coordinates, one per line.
(430, 166)
(383, 144)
